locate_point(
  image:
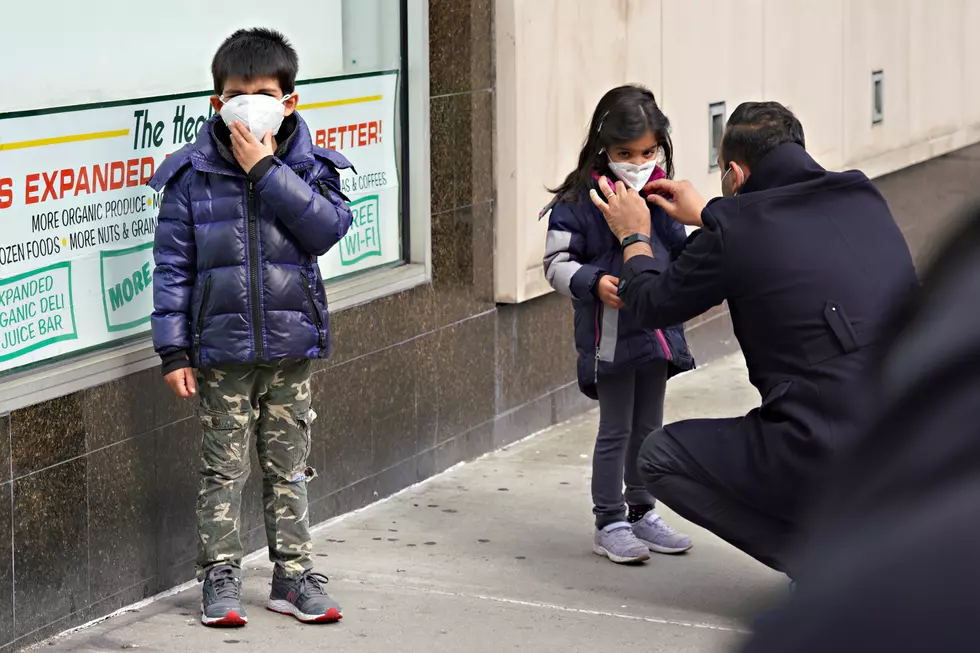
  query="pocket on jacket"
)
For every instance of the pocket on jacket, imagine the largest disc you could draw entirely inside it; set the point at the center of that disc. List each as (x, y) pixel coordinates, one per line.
(202, 308)
(315, 314)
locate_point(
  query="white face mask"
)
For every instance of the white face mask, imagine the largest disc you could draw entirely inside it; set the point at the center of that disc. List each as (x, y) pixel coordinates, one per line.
(634, 176)
(260, 113)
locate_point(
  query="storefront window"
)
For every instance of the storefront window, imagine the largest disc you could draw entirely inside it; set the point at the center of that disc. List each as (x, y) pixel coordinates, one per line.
(76, 255)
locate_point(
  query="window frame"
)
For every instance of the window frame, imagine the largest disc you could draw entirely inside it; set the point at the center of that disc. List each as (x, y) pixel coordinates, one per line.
(65, 376)
(715, 110)
(877, 92)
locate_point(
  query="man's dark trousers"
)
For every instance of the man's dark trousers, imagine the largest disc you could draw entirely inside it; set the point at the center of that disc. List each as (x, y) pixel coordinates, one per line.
(692, 491)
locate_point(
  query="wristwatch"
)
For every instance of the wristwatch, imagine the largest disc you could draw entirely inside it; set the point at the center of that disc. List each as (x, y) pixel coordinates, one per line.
(621, 288)
(634, 239)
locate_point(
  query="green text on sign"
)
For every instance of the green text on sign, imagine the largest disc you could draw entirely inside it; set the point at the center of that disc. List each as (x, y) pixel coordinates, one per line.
(127, 287)
(36, 310)
(364, 238)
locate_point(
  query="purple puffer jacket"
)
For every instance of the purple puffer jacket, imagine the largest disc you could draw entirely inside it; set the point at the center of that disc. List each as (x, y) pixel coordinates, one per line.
(236, 276)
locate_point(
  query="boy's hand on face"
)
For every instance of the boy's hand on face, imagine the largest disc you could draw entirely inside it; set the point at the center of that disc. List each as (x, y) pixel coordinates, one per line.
(247, 149)
(182, 382)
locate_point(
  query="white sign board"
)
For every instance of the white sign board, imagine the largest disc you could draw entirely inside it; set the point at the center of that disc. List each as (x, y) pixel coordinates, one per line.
(76, 248)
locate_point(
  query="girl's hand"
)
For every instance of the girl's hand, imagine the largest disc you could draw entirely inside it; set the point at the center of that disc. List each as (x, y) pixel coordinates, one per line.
(608, 291)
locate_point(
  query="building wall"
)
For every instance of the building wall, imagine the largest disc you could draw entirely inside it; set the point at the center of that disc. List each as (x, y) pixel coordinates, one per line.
(558, 57)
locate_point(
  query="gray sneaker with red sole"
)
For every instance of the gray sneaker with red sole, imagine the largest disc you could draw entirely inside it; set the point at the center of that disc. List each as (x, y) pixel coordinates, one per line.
(221, 603)
(304, 598)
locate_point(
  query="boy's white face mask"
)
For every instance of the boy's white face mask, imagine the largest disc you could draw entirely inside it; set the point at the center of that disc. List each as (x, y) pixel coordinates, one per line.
(260, 113)
(634, 176)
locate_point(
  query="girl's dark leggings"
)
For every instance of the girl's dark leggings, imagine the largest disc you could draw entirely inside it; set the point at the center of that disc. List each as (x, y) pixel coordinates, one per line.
(631, 407)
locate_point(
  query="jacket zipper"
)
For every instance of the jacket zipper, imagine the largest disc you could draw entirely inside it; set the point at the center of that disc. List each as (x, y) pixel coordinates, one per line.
(205, 295)
(317, 318)
(253, 270)
(598, 339)
(662, 339)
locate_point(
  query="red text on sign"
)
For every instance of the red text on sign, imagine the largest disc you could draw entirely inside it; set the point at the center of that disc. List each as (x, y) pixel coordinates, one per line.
(350, 136)
(6, 193)
(86, 180)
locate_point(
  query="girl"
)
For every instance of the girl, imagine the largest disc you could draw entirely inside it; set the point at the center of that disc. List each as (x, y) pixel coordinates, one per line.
(620, 363)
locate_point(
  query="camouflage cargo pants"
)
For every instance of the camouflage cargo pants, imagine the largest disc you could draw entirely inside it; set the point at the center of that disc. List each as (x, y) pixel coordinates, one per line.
(274, 400)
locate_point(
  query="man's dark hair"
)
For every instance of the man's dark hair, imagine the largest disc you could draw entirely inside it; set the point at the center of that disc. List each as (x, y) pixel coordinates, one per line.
(254, 53)
(757, 128)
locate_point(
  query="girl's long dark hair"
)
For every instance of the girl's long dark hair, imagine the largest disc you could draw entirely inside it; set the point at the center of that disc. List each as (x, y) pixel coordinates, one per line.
(624, 114)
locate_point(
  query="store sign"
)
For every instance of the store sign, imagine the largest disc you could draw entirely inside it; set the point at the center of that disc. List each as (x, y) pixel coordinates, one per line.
(76, 248)
(364, 239)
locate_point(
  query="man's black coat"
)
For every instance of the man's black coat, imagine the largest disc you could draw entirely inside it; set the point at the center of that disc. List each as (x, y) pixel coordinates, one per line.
(812, 264)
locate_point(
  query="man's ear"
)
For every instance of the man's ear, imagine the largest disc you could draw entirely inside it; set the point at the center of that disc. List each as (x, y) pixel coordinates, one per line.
(739, 175)
(291, 103)
(216, 103)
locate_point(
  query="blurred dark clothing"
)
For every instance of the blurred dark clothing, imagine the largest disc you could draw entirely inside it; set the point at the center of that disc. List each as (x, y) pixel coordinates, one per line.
(894, 565)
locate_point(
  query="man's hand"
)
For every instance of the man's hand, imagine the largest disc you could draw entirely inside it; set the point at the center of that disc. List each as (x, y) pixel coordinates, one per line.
(247, 149)
(608, 291)
(625, 211)
(182, 382)
(683, 202)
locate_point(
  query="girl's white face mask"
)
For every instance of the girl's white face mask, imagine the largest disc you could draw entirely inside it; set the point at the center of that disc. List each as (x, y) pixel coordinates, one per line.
(634, 176)
(260, 113)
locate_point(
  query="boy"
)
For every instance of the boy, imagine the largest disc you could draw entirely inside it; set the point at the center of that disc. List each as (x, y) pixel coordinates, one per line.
(248, 208)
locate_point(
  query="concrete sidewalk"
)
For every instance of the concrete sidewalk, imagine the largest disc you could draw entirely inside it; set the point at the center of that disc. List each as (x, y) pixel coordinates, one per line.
(492, 556)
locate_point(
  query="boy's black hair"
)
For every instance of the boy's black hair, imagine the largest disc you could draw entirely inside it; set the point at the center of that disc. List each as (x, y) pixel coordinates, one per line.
(623, 115)
(254, 53)
(757, 128)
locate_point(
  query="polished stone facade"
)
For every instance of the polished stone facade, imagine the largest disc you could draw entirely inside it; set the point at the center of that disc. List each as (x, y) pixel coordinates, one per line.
(97, 489)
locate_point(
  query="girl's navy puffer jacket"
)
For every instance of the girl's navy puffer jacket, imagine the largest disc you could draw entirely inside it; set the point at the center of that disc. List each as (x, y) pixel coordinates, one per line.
(580, 249)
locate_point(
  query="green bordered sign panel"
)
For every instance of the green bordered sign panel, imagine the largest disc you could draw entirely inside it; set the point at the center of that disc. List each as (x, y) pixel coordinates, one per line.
(36, 311)
(76, 248)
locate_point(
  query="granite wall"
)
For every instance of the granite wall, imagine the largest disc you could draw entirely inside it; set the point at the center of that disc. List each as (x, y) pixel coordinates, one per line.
(97, 489)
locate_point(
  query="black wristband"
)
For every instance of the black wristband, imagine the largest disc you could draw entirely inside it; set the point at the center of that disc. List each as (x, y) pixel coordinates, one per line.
(259, 169)
(174, 361)
(634, 239)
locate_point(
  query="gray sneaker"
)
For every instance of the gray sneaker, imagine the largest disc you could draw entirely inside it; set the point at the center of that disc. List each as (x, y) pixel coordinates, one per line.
(654, 532)
(618, 543)
(221, 605)
(304, 598)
